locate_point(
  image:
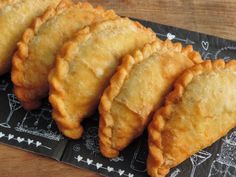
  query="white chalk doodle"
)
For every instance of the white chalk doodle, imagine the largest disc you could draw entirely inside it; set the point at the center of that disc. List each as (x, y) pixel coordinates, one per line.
(91, 140)
(205, 45)
(117, 159)
(21, 140)
(14, 105)
(76, 148)
(226, 53)
(41, 125)
(110, 169)
(3, 85)
(175, 172)
(207, 55)
(10, 136)
(172, 36)
(89, 161)
(98, 165)
(121, 172)
(138, 162)
(197, 159)
(225, 163)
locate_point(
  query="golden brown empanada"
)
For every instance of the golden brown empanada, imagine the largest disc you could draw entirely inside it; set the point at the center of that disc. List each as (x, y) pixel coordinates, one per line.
(15, 17)
(200, 110)
(40, 44)
(84, 67)
(137, 89)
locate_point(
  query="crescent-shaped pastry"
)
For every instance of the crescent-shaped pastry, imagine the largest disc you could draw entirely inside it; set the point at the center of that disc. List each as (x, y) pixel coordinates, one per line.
(38, 48)
(137, 89)
(84, 67)
(200, 110)
(15, 17)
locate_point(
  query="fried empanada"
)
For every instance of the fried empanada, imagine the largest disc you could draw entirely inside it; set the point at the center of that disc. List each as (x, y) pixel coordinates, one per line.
(15, 17)
(40, 44)
(137, 89)
(84, 67)
(200, 110)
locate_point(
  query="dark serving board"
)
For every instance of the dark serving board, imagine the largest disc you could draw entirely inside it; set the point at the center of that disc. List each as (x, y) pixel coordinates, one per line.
(36, 132)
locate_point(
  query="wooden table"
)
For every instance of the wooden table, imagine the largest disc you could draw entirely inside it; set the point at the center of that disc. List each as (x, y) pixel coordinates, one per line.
(216, 17)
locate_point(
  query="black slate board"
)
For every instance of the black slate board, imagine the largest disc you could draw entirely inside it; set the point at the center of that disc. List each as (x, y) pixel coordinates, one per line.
(36, 132)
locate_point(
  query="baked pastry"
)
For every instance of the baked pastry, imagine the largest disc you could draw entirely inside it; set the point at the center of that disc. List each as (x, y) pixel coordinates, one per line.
(84, 67)
(38, 48)
(15, 17)
(137, 89)
(200, 110)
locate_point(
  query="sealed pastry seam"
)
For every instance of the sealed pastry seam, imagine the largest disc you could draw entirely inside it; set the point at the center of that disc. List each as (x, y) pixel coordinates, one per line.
(56, 90)
(156, 154)
(106, 120)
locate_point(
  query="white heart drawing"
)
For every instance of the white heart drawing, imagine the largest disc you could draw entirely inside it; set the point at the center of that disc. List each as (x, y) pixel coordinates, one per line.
(170, 36)
(109, 169)
(89, 162)
(30, 141)
(38, 144)
(20, 140)
(2, 134)
(205, 45)
(10, 136)
(121, 172)
(79, 158)
(98, 165)
(130, 175)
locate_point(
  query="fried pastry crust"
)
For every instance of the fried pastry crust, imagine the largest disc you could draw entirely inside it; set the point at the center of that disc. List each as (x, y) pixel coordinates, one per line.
(41, 42)
(15, 17)
(200, 110)
(84, 67)
(137, 89)
(3, 3)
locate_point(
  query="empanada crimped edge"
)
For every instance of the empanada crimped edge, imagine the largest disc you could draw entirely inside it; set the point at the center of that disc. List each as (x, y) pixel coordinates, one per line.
(122, 73)
(57, 91)
(155, 166)
(23, 92)
(22, 53)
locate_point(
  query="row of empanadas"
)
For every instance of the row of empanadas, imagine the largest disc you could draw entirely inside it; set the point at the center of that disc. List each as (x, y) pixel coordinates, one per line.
(75, 50)
(41, 43)
(84, 67)
(137, 89)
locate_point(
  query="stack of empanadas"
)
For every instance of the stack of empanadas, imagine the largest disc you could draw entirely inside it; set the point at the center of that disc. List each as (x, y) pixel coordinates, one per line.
(82, 56)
